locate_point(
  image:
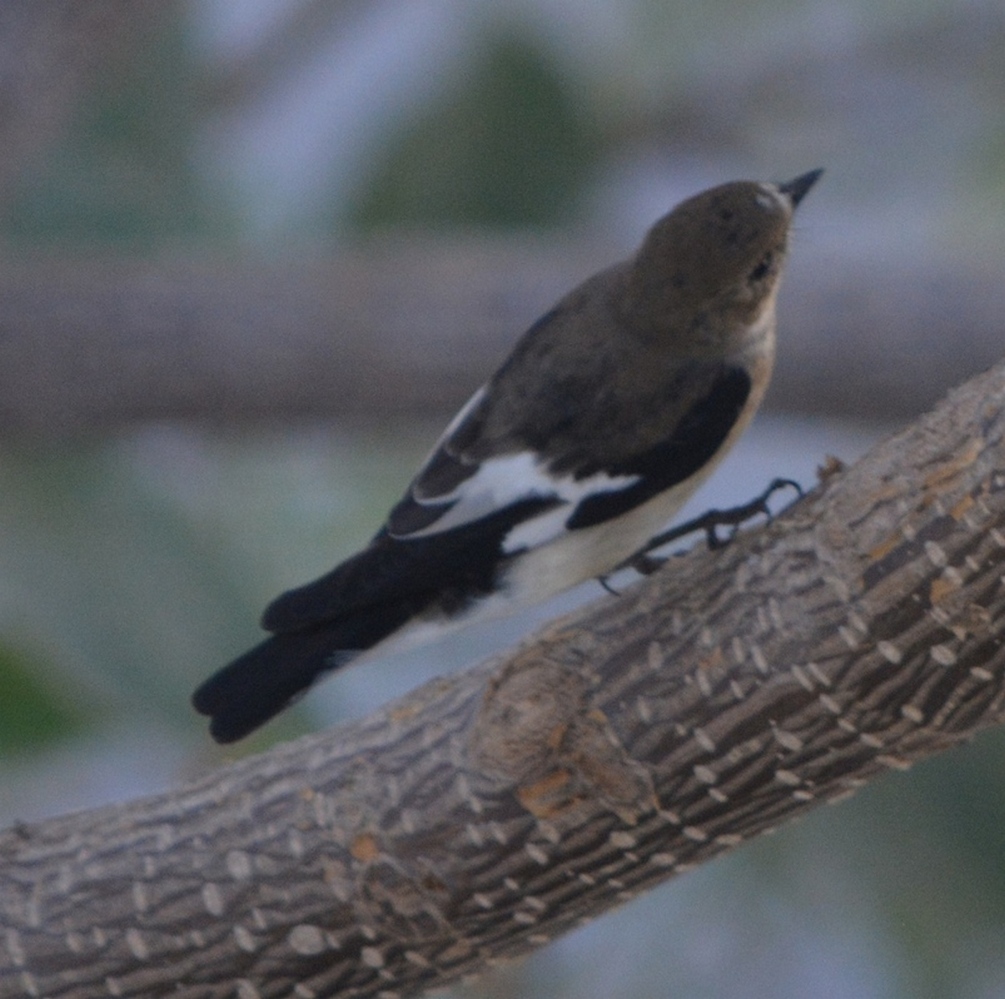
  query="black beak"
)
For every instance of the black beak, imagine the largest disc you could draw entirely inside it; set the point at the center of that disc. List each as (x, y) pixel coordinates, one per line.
(797, 189)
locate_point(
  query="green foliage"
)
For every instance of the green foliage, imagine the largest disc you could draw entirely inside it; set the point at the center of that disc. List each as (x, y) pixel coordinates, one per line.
(141, 564)
(509, 147)
(109, 576)
(32, 713)
(123, 174)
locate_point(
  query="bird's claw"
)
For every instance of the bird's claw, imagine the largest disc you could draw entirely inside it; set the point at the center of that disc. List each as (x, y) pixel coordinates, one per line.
(708, 522)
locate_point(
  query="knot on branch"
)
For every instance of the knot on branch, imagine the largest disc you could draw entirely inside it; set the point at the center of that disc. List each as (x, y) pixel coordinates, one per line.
(539, 734)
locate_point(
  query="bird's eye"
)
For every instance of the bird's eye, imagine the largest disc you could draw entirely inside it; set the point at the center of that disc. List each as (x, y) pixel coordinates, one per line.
(760, 272)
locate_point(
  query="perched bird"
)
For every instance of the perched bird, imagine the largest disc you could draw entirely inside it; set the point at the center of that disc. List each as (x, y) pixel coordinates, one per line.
(611, 410)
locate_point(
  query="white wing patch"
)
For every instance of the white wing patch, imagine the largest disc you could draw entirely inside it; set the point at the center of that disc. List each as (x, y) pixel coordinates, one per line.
(459, 417)
(508, 480)
(537, 530)
(550, 524)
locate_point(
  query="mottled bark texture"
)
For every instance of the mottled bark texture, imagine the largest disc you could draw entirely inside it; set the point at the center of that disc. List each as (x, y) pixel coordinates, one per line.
(403, 326)
(490, 811)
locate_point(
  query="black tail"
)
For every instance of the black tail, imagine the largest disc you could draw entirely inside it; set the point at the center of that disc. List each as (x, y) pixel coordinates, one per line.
(266, 679)
(323, 625)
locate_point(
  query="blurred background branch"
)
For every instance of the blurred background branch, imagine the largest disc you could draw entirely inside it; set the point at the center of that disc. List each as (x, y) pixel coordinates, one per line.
(408, 328)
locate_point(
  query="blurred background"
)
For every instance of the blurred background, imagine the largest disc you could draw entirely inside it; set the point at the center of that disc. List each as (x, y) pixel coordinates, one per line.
(254, 252)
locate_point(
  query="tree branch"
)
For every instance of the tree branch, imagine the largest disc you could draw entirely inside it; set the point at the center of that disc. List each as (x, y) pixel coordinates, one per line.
(490, 811)
(413, 326)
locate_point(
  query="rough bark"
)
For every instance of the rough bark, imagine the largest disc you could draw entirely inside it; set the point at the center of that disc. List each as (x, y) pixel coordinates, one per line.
(489, 811)
(406, 327)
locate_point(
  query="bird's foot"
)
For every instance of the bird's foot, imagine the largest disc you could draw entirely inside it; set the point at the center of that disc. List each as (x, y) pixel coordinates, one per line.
(645, 563)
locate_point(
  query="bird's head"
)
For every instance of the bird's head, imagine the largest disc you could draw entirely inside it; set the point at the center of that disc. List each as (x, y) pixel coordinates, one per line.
(708, 271)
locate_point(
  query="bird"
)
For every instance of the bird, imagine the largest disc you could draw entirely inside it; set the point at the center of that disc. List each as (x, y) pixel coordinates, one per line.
(610, 411)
